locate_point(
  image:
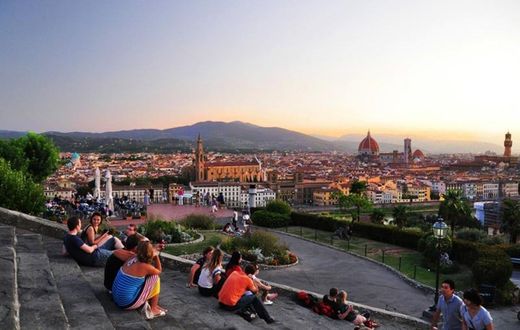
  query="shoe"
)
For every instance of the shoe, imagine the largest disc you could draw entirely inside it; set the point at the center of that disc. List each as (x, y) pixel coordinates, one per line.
(272, 296)
(268, 302)
(161, 313)
(270, 320)
(248, 316)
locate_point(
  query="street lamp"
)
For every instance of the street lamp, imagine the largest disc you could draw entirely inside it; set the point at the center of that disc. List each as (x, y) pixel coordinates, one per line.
(440, 231)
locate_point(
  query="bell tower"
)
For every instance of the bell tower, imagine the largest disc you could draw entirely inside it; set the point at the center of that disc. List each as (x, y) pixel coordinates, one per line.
(508, 143)
(199, 160)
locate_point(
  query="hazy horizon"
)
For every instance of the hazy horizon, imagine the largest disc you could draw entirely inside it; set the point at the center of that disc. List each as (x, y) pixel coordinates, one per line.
(443, 69)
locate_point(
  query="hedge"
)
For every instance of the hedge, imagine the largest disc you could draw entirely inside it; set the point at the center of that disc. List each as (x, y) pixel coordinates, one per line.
(270, 219)
(316, 221)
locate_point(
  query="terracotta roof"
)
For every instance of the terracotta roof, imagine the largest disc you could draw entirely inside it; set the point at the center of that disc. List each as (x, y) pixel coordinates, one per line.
(369, 143)
(236, 163)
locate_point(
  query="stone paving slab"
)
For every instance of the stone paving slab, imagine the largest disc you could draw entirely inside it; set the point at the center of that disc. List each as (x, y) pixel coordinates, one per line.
(76, 295)
(40, 304)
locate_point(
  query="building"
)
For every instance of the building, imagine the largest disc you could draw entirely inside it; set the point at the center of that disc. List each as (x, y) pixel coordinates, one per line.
(231, 191)
(256, 196)
(407, 150)
(325, 197)
(136, 193)
(368, 148)
(239, 171)
(506, 158)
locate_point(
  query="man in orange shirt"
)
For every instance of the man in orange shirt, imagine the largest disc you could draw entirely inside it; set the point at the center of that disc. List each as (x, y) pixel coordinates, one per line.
(238, 293)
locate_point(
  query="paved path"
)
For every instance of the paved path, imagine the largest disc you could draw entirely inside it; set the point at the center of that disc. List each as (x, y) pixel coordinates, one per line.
(321, 268)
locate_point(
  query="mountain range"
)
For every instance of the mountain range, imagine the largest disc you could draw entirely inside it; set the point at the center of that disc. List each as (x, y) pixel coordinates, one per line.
(238, 136)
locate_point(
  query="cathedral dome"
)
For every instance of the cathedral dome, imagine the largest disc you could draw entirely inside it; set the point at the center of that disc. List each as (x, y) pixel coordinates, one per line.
(368, 146)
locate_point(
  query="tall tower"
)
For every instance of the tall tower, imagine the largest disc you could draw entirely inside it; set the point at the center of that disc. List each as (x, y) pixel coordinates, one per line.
(407, 150)
(199, 161)
(508, 143)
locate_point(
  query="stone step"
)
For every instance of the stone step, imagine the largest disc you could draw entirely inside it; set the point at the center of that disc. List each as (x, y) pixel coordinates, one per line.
(122, 319)
(81, 306)
(9, 307)
(40, 303)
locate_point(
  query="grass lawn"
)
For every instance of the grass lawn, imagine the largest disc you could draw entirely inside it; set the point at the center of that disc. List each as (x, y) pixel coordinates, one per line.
(410, 259)
(210, 238)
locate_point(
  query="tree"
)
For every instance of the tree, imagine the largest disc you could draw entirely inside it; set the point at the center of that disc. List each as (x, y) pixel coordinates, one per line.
(377, 216)
(18, 192)
(511, 219)
(400, 214)
(278, 206)
(359, 202)
(358, 187)
(454, 209)
(33, 154)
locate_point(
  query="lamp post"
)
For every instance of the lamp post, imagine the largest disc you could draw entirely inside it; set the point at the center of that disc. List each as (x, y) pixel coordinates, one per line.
(440, 230)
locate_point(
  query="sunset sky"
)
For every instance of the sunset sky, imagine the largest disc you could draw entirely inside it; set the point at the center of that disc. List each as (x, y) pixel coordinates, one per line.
(416, 68)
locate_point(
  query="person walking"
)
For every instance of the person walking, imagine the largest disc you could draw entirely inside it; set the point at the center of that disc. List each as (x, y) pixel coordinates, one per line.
(474, 316)
(448, 306)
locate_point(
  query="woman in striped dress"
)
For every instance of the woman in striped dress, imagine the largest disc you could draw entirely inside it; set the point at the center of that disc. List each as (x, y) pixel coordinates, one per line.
(137, 282)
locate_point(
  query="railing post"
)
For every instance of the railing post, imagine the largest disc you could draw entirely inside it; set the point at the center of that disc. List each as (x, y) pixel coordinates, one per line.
(414, 272)
(301, 231)
(315, 234)
(348, 245)
(399, 263)
(365, 250)
(383, 255)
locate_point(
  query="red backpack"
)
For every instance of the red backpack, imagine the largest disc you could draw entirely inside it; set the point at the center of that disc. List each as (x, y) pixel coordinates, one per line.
(324, 309)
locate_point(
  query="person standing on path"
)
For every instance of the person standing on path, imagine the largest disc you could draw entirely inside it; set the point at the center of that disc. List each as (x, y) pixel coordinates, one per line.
(474, 316)
(235, 219)
(449, 306)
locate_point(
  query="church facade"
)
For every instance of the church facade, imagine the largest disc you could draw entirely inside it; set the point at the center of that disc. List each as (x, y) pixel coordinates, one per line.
(238, 171)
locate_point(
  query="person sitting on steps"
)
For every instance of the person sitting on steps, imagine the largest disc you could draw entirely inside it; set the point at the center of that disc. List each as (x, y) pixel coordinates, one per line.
(138, 284)
(119, 257)
(212, 275)
(267, 298)
(92, 235)
(346, 312)
(234, 264)
(193, 277)
(234, 297)
(87, 255)
(331, 298)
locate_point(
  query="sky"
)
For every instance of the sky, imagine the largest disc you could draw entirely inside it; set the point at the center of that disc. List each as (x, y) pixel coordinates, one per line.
(447, 69)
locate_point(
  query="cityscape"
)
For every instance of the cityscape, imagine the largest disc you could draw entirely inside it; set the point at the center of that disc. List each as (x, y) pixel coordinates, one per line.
(260, 164)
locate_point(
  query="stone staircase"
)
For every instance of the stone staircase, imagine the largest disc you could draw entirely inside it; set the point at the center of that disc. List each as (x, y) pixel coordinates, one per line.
(41, 289)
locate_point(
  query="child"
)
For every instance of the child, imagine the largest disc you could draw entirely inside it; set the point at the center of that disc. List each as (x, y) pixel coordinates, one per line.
(267, 298)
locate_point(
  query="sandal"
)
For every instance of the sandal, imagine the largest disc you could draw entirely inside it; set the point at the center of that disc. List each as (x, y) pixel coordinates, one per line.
(161, 313)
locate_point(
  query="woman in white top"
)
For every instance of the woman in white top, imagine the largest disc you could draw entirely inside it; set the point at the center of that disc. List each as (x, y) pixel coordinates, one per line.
(474, 316)
(211, 277)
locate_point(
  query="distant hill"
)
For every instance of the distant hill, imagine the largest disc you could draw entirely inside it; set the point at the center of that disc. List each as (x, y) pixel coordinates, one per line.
(216, 135)
(238, 136)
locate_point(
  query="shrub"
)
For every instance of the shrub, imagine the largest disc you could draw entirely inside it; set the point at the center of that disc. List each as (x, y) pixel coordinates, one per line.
(316, 221)
(428, 246)
(278, 206)
(268, 219)
(171, 232)
(198, 221)
(470, 234)
(513, 250)
(259, 246)
(492, 267)
(388, 234)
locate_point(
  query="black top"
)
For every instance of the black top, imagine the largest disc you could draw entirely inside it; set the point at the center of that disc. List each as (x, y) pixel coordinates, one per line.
(201, 263)
(111, 268)
(73, 246)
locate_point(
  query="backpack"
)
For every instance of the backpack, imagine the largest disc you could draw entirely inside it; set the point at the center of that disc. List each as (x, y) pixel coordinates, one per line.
(324, 309)
(306, 299)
